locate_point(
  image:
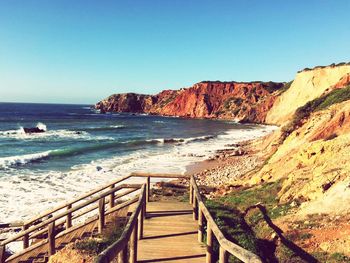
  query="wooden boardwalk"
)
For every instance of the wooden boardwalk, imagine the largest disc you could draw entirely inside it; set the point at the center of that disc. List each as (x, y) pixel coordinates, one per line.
(170, 234)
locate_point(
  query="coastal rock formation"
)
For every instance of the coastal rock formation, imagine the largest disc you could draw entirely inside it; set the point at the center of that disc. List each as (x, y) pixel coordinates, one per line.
(127, 102)
(243, 101)
(315, 156)
(308, 85)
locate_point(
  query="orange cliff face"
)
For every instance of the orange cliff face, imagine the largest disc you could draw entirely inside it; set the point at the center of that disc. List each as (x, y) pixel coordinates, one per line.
(243, 101)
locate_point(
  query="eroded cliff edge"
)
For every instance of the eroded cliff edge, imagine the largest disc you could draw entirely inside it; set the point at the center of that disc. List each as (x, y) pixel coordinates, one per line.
(243, 101)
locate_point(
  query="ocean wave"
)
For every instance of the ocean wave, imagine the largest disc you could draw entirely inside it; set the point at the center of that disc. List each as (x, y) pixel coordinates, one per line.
(107, 128)
(11, 161)
(8, 162)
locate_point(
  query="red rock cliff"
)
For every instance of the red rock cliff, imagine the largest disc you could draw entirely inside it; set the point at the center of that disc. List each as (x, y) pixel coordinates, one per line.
(244, 101)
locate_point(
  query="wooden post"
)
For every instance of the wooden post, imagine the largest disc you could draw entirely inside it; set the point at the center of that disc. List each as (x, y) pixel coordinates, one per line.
(111, 197)
(123, 255)
(142, 216)
(69, 218)
(191, 191)
(133, 245)
(209, 253)
(223, 256)
(51, 239)
(2, 254)
(101, 215)
(195, 208)
(148, 188)
(25, 237)
(140, 225)
(200, 225)
(144, 204)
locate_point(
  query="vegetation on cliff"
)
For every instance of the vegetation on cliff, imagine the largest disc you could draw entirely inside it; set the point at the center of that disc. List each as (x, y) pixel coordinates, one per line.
(321, 103)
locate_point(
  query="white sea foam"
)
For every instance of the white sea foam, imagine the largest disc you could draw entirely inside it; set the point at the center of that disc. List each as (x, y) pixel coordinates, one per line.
(41, 126)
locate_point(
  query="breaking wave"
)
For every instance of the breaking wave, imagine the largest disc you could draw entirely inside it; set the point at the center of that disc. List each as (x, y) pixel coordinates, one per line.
(8, 162)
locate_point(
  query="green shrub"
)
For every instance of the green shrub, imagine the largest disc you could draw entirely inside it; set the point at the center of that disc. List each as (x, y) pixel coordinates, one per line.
(97, 245)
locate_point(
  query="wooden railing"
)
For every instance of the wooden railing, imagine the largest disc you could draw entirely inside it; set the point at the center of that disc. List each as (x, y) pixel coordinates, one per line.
(53, 224)
(226, 247)
(125, 248)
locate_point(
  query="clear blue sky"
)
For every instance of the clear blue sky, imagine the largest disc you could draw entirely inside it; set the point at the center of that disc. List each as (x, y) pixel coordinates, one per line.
(82, 51)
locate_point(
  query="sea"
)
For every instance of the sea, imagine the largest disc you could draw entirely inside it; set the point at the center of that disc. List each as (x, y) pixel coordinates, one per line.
(82, 149)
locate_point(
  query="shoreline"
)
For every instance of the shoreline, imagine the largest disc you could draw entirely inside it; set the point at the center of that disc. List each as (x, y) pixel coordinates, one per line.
(227, 165)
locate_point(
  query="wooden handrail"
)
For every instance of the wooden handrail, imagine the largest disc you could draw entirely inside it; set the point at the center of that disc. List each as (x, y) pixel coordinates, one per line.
(226, 246)
(40, 232)
(79, 198)
(155, 175)
(63, 214)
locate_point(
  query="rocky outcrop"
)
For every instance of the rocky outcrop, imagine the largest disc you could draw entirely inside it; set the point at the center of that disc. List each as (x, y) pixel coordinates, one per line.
(127, 102)
(308, 85)
(244, 101)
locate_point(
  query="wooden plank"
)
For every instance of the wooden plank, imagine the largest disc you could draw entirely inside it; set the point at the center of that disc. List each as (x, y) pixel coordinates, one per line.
(170, 235)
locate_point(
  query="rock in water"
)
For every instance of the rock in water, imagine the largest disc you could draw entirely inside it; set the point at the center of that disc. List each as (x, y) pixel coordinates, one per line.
(33, 130)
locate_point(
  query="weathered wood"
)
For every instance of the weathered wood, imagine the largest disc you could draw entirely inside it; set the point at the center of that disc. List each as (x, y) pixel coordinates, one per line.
(200, 225)
(51, 239)
(223, 256)
(148, 188)
(2, 254)
(170, 234)
(140, 225)
(155, 175)
(123, 256)
(209, 253)
(25, 237)
(111, 197)
(101, 215)
(133, 245)
(191, 192)
(195, 208)
(69, 218)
